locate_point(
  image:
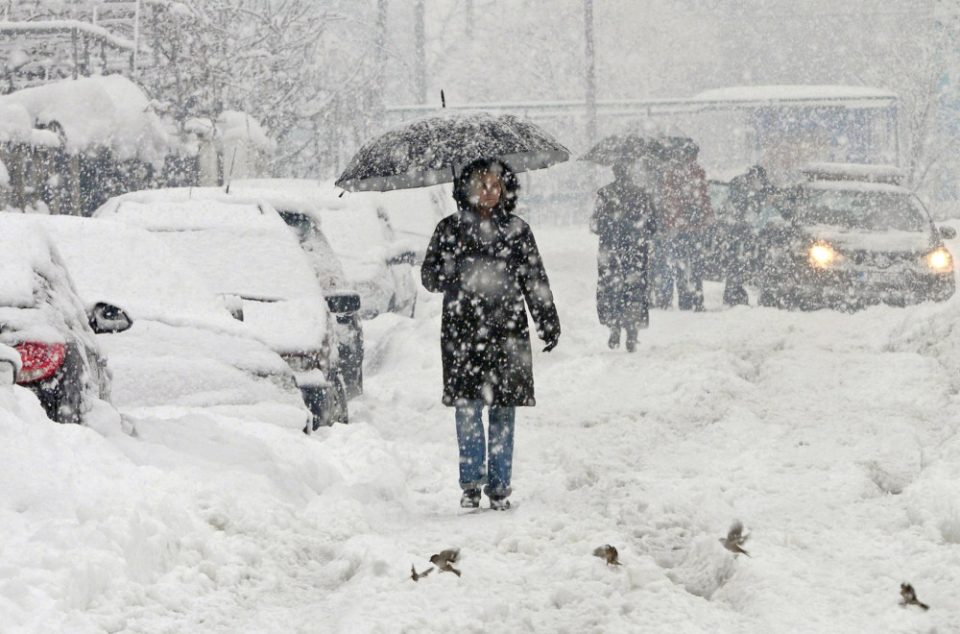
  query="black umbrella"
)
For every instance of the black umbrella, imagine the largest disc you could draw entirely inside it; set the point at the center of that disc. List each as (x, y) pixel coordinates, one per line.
(428, 151)
(624, 148)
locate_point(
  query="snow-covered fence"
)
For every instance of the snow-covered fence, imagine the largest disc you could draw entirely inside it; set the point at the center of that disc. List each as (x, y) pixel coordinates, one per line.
(37, 52)
(69, 145)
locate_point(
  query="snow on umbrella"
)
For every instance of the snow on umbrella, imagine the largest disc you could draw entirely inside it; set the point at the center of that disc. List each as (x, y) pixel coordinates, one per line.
(428, 151)
(623, 148)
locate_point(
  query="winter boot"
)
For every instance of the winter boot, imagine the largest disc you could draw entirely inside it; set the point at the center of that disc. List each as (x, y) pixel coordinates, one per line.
(470, 499)
(632, 339)
(499, 504)
(614, 341)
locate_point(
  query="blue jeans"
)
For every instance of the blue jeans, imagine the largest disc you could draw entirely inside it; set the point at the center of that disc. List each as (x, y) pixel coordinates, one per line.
(473, 448)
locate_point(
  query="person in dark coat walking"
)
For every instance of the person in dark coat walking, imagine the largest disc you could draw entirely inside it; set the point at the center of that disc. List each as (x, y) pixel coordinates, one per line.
(747, 195)
(485, 262)
(624, 221)
(684, 217)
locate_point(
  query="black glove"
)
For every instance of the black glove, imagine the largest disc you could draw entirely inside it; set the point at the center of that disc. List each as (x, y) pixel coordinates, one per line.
(551, 342)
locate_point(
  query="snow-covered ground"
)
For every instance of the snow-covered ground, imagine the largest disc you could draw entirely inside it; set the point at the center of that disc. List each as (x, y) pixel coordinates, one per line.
(832, 437)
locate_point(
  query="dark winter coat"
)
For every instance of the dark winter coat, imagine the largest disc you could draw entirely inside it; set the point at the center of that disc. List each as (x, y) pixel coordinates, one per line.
(746, 197)
(486, 271)
(682, 200)
(624, 220)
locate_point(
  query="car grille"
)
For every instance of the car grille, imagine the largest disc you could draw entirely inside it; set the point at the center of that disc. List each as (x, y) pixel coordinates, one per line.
(883, 260)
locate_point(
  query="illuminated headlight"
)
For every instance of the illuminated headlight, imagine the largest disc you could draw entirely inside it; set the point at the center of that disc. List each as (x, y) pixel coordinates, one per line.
(822, 255)
(940, 260)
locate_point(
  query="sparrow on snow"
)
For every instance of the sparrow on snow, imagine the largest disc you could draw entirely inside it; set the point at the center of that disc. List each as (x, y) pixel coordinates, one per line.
(445, 559)
(735, 539)
(909, 596)
(608, 553)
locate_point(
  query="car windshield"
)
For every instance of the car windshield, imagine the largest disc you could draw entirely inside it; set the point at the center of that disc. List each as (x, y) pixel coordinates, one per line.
(869, 210)
(322, 258)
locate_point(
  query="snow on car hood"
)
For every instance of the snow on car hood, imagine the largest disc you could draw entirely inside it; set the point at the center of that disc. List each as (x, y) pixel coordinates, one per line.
(159, 365)
(886, 241)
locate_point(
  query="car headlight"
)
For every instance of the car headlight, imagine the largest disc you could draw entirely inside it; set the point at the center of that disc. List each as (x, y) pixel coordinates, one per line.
(822, 255)
(940, 260)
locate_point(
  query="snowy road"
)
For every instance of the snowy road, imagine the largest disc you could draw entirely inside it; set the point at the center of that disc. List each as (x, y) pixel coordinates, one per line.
(833, 437)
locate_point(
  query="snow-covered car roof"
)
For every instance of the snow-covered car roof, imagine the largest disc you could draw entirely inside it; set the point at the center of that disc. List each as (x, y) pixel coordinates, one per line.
(108, 111)
(130, 268)
(823, 171)
(798, 93)
(238, 247)
(857, 186)
(413, 214)
(350, 224)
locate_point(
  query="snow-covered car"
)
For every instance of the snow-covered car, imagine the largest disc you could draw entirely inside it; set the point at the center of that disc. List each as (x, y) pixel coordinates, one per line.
(343, 302)
(176, 345)
(376, 262)
(844, 242)
(44, 320)
(412, 214)
(244, 252)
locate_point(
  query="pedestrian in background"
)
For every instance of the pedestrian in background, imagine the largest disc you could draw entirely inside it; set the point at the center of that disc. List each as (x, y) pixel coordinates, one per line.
(623, 219)
(684, 214)
(748, 193)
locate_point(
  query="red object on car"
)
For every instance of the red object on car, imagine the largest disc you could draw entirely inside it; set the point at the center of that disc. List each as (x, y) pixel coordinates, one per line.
(40, 360)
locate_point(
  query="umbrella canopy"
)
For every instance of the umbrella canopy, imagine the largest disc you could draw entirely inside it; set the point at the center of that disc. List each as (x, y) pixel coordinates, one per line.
(624, 148)
(426, 152)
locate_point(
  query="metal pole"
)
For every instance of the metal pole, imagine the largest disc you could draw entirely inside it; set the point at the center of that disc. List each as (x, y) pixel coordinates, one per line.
(381, 83)
(591, 70)
(420, 51)
(136, 37)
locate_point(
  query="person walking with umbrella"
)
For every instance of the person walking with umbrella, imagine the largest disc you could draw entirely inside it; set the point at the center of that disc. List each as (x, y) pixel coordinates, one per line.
(684, 215)
(624, 221)
(485, 261)
(749, 192)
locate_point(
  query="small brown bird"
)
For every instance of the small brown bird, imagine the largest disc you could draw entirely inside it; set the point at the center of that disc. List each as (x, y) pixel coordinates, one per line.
(609, 553)
(417, 576)
(909, 596)
(735, 539)
(445, 559)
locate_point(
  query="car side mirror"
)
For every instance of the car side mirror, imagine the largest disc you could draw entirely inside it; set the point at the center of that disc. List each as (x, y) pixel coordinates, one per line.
(10, 364)
(404, 257)
(343, 302)
(107, 318)
(948, 233)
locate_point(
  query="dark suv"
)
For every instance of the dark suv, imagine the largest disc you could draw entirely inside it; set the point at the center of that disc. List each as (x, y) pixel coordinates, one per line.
(847, 244)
